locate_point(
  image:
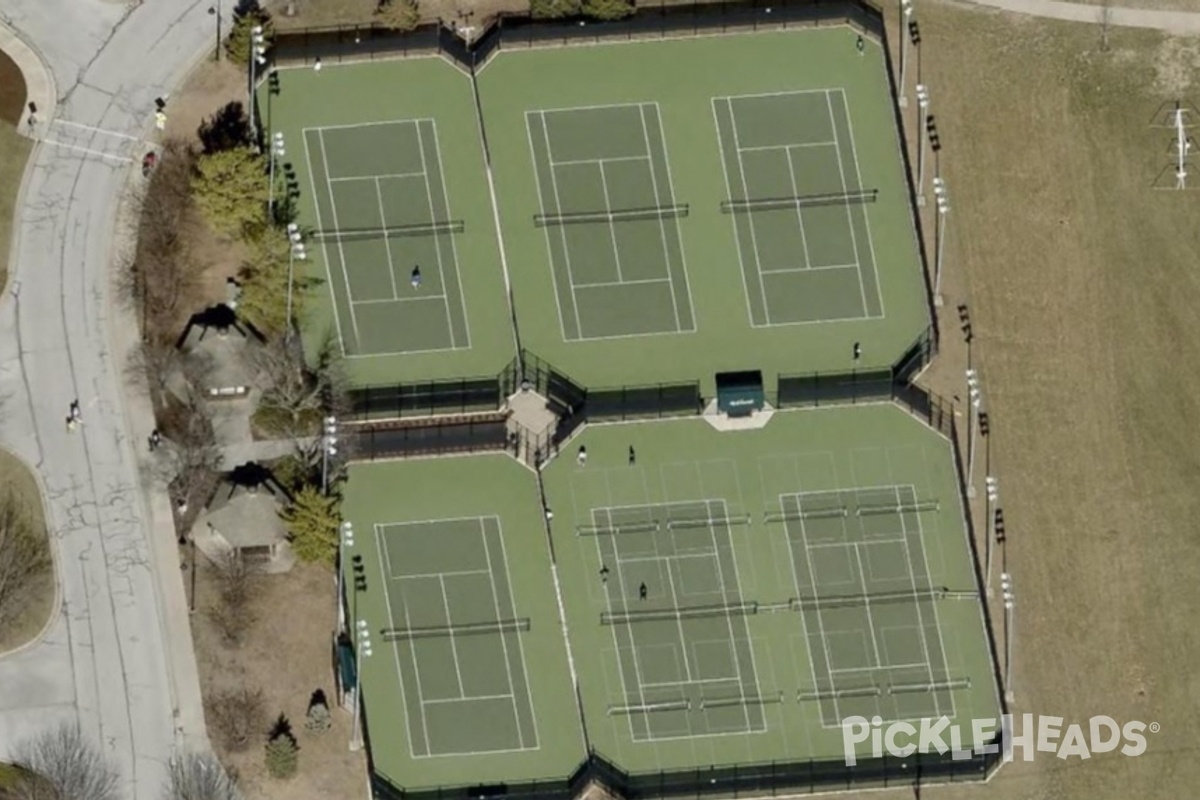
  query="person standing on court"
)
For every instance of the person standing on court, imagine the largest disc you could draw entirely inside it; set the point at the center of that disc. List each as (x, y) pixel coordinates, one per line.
(642, 591)
(632, 456)
(581, 459)
(416, 277)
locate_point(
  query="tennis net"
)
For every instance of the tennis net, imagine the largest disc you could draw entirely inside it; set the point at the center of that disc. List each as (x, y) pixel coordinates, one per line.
(417, 229)
(811, 513)
(664, 614)
(466, 629)
(853, 600)
(709, 522)
(899, 508)
(805, 201)
(605, 217)
(613, 530)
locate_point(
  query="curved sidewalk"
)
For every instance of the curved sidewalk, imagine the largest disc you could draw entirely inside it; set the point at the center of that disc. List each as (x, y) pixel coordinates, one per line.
(1175, 22)
(40, 88)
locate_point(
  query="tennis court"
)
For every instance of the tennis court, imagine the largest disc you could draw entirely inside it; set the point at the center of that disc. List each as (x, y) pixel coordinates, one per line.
(677, 620)
(611, 220)
(798, 204)
(456, 637)
(387, 233)
(867, 604)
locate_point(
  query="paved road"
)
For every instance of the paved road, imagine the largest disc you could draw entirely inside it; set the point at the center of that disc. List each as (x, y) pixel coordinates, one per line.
(1177, 22)
(110, 660)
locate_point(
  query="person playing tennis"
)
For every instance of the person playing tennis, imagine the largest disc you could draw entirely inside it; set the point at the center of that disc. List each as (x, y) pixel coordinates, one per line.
(416, 277)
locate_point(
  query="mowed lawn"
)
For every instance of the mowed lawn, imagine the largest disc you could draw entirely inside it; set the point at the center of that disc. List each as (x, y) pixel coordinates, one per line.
(14, 152)
(1085, 303)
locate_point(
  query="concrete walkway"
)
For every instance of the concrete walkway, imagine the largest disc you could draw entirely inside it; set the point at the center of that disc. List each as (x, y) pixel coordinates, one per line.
(1175, 22)
(39, 81)
(118, 659)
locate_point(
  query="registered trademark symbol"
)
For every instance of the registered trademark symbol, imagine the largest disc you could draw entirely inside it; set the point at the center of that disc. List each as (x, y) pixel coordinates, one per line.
(1155, 727)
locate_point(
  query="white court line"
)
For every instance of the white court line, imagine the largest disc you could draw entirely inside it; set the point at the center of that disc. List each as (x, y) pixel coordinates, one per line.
(437, 240)
(612, 227)
(598, 107)
(512, 689)
(385, 559)
(786, 270)
(687, 664)
(601, 161)
(662, 222)
(787, 93)
(756, 147)
(687, 283)
(862, 288)
(421, 299)
(453, 646)
(445, 700)
(822, 545)
(562, 320)
(606, 284)
(381, 176)
(753, 234)
(312, 181)
(407, 121)
(676, 684)
(936, 618)
(382, 526)
(458, 573)
(337, 226)
(862, 574)
(87, 150)
(799, 213)
(387, 244)
(94, 129)
(462, 289)
(741, 684)
(820, 618)
(537, 743)
(866, 213)
(641, 559)
(737, 236)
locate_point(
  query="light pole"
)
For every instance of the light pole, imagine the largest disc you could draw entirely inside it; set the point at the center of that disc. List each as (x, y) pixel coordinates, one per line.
(975, 398)
(328, 450)
(296, 251)
(258, 58)
(345, 540)
(943, 208)
(362, 642)
(277, 151)
(989, 526)
(906, 10)
(1010, 600)
(923, 105)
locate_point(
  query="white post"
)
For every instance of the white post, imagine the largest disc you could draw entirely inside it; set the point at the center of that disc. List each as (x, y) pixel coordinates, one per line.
(345, 540)
(1010, 598)
(943, 207)
(277, 151)
(989, 529)
(296, 251)
(258, 57)
(328, 449)
(362, 641)
(975, 398)
(905, 14)
(923, 105)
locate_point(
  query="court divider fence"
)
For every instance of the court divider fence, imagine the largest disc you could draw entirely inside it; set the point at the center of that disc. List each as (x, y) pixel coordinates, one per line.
(769, 779)
(437, 435)
(424, 398)
(369, 42)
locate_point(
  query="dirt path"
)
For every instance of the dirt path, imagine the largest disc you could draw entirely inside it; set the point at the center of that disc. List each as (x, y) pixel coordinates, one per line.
(1176, 22)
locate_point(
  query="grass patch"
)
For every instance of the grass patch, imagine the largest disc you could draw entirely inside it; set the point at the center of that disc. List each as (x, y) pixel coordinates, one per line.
(14, 153)
(16, 477)
(277, 423)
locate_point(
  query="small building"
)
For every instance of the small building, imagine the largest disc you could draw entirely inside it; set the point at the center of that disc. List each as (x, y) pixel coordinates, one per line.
(219, 349)
(243, 517)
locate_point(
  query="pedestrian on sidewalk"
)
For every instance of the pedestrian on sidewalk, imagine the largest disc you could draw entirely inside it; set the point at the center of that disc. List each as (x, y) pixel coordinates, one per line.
(155, 440)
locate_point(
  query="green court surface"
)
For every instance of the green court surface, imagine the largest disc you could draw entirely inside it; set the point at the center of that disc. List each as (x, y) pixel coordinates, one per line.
(670, 220)
(739, 594)
(389, 170)
(468, 679)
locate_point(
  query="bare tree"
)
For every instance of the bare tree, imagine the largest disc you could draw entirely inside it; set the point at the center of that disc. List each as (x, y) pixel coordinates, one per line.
(63, 764)
(24, 556)
(232, 613)
(199, 777)
(237, 716)
(298, 390)
(191, 456)
(157, 362)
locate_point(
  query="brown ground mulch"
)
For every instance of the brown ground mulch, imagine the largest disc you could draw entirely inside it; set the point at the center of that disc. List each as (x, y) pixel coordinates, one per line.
(12, 91)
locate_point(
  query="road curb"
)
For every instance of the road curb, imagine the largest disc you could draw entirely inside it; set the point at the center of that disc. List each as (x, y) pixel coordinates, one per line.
(40, 87)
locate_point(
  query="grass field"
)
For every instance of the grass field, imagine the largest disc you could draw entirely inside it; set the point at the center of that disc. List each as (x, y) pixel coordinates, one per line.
(14, 153)
(38, 605)
(1083, 297)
